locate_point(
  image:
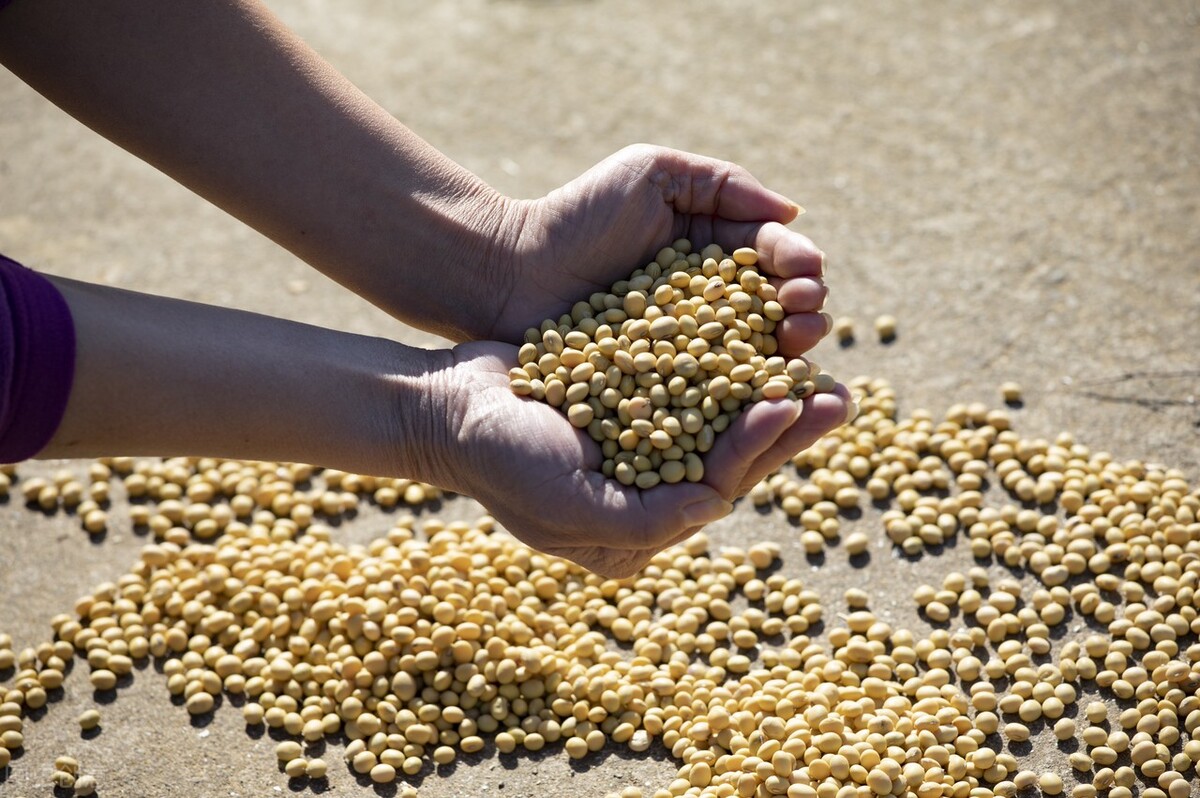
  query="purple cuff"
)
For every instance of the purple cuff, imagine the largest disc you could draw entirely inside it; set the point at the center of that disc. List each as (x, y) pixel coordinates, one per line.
(37, 360)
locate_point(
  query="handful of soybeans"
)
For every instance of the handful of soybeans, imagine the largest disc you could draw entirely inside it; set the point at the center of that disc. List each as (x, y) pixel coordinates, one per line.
(663, 362)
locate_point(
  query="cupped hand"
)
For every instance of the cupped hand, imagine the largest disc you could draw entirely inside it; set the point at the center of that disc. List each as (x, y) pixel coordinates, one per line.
(521, 458)
(601, 226)
(539, 476)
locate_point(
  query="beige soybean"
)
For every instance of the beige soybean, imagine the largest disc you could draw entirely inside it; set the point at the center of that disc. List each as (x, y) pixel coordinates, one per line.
(664, 361)
(439, 637)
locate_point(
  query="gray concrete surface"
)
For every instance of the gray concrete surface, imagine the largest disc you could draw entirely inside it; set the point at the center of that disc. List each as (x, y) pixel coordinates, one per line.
(1017, 182)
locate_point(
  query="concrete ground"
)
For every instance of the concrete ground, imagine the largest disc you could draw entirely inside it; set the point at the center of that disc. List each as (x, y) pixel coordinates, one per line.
(1018, 183)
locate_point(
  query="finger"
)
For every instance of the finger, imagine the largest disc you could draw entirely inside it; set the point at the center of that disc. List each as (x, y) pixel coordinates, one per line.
(620, 552)
(797, 333)
(800, 294)
(786, 253)
(608, 563)
(626, 518)
(619, 563)
(737, 449)
(684, 535)
(781, 252)
(822, 413)
(696, 184)
(688, 505)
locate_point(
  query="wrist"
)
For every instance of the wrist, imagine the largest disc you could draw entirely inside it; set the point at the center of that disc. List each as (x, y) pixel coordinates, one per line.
(440, 263)
(475, 277)
(414, 391)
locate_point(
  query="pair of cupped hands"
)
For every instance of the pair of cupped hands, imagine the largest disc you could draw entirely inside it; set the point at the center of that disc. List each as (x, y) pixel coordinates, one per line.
(522, 459)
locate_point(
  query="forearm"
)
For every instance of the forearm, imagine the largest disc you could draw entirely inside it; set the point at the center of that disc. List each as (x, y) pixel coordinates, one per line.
(157, 376)
(225, 99)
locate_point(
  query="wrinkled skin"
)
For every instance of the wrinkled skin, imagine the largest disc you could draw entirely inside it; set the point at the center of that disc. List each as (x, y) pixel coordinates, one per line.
(522, 459)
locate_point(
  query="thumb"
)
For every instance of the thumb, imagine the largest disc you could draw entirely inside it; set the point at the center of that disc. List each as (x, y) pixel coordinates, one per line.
(618, 529)
(737, 449)
(630, 518)
(696, 184)
(821, 413)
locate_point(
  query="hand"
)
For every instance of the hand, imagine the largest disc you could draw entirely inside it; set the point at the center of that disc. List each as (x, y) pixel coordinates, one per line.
(598, 228)
(540, 477)
(522, 459)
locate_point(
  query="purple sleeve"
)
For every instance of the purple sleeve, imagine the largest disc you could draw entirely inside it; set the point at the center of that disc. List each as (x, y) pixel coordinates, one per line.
(37, 360)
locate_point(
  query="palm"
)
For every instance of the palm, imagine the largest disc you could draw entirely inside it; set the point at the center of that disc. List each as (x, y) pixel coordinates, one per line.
(540, 476)
(500, 428)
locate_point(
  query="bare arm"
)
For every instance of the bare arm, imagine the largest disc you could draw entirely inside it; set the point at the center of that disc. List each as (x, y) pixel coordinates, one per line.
(225, 99)
(157, 376)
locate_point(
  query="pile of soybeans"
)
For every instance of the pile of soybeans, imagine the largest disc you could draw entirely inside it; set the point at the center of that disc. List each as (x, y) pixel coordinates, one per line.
(439, 639)
(665, 361)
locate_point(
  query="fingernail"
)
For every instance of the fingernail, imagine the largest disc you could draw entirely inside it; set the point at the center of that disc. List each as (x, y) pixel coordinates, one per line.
(851, 411)
(799, 209)
(828, 322)
(822, 263)
(706, 512)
